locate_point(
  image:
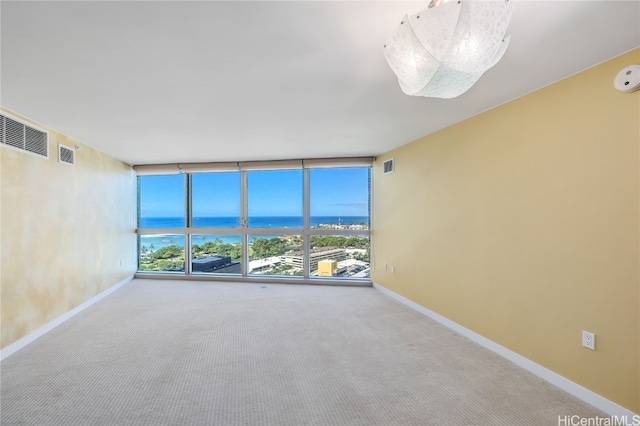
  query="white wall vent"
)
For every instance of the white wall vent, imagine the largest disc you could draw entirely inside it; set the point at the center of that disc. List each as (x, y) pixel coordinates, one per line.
(66, 155)
(387, 166)
(20, 136)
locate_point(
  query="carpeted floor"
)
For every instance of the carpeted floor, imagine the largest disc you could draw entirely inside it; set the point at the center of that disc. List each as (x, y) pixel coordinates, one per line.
(201, 353)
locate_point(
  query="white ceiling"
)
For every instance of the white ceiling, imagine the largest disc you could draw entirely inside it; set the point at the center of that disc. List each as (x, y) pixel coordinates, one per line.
(158, 82)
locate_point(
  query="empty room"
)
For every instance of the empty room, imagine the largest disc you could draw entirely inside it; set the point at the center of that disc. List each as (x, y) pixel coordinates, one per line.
(320, 212)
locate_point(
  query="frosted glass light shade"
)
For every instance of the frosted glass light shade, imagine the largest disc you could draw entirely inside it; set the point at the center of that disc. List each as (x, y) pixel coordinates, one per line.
(443, 50)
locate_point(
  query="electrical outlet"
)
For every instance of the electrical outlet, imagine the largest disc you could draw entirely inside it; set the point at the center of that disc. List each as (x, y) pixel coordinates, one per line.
(589, 340)
(393, 269)
(385, 267)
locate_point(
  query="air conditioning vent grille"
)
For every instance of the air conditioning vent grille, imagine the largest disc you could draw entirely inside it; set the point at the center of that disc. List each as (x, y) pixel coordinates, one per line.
(35, 141)
(14, 135)
(66, 155)
(22, 137)
(388, 166)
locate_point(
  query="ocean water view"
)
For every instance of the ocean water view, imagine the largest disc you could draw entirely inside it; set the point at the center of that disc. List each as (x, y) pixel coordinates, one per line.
(254, 222)
(155, 242)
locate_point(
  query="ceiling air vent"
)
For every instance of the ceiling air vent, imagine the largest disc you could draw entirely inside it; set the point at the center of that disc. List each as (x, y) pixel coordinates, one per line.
(66, 155)
(387, 166)
(22, 137)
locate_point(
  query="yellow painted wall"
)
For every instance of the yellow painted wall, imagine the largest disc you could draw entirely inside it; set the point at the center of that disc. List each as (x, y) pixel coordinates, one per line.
(67, 232)
(522, 224)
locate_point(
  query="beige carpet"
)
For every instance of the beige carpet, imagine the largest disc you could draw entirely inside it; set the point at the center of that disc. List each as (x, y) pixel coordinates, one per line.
(201, 353)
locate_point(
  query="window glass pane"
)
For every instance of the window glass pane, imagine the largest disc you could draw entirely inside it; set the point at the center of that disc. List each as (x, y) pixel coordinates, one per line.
(274, 199)
(339, 198)
(161, 253)
(267, 255)
(339, 256)
(161, 201)
(216, 254)
(215, 200)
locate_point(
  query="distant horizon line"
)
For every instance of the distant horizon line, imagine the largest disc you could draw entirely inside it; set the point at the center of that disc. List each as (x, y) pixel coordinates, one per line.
(180, 217)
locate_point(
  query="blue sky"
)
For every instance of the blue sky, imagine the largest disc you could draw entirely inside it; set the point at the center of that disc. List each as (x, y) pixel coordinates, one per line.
(270, 193)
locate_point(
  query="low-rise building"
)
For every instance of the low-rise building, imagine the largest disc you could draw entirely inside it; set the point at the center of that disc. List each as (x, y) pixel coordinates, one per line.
(316, 254)
(259, 265)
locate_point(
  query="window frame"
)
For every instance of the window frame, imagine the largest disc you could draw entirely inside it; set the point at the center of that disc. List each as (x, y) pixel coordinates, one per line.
(306, 232)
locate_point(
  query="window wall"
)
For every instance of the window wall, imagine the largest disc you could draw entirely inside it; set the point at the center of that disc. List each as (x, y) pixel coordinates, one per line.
(304, 221)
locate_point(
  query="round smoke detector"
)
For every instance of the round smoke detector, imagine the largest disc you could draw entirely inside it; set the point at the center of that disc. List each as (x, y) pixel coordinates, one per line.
(628, 80)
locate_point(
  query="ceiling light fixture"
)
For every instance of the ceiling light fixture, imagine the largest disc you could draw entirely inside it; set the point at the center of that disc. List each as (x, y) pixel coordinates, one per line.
(443, 50)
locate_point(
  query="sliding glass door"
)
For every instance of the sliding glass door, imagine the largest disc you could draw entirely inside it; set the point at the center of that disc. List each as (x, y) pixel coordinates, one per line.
(216, 214)
(161, 217)
(339, 222)
(275, 220)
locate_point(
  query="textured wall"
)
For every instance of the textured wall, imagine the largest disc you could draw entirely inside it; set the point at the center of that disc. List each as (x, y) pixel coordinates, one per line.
(522, 224)
(67, 232)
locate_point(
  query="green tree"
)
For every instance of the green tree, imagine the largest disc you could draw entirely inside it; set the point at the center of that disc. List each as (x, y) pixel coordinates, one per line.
(234, 251)
(168, 252)
(263, 247)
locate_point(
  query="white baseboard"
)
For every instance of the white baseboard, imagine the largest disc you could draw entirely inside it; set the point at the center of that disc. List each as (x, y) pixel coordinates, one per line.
(563, 383)
(19, 344)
